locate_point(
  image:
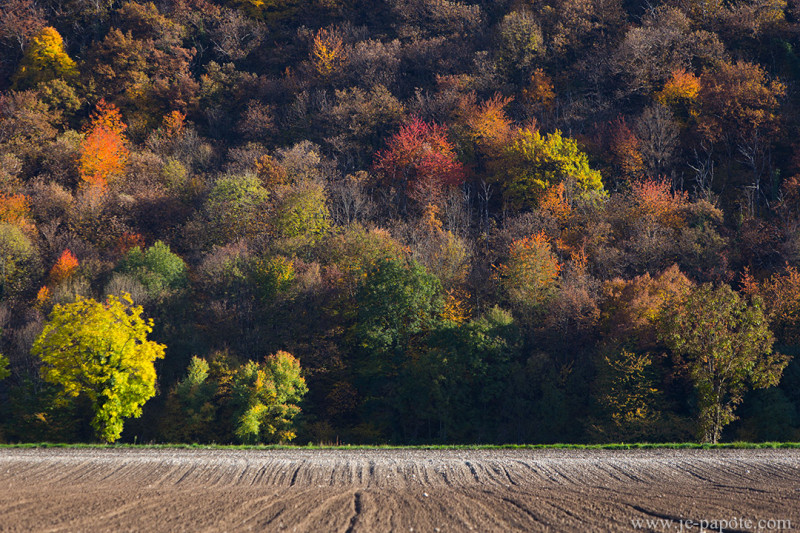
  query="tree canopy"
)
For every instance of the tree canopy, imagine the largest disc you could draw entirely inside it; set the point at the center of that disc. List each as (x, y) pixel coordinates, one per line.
(44, 60)
(728, 347)
(466, 221)
(101, 350)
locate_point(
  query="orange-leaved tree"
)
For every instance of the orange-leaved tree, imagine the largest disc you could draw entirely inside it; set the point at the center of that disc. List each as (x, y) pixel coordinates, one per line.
(625, 149)
(681, 89)
(328, 54)
(781, 296)
(66, 265)
(487, 123)
(652, 201)
(174, 124)
(15, 210)
(529, 275)
(103, 151)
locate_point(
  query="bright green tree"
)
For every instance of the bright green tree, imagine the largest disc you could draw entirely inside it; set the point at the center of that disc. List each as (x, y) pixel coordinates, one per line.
(45, 59)
(157, 268)
(100, 350)
(728, 347)
(535, 162)
(266, 397)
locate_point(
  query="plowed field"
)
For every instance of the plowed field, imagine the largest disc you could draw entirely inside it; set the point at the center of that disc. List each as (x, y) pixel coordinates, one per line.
(396, 490)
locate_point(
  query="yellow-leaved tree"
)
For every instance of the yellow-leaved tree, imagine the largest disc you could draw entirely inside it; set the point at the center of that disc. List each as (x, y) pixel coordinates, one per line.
(269, 10)
(45, 59)
(327, 53)
(100, 350)
(535, 162)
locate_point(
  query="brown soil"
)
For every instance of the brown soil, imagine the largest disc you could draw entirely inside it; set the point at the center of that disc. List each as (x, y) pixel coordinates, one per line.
(393, 490)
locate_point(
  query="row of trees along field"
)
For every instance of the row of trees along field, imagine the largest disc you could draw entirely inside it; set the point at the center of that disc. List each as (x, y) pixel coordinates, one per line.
(399, 220)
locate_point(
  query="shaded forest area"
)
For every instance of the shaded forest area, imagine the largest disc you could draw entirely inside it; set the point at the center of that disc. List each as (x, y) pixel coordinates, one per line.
(399, 220)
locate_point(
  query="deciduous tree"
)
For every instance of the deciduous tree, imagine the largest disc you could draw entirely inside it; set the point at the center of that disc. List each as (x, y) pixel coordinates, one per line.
(65, 266)
(531, 271)
(266, 397)
(158, 269)
(535, 162)
(630, 394)
(4, 371)
(728, 349)
(100, 350)
(236, 209)
(399, 303)
(15, 209)
(17, 260)
(520, 43)
(103, 152)
(327, 53)
(420, 161)
(20, 20)
(45, 59)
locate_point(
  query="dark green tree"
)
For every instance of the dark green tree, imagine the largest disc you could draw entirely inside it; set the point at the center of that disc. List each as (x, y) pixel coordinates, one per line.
(399, 304)
(468, 369)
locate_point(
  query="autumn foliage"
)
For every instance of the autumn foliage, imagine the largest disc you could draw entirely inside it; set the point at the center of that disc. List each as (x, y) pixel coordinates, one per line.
(739, 100)
(487, 123)
(555, 203)
(103, 152)
(66, 265)
(625, 148)
(420, 161)
(682, 88)
(174, 124)
(327, 53)
(45, 59)
(529, 274)
(15, 210)
(539, 93)
(467, 219)
(533, 163)
(654, 201)
(781, 296)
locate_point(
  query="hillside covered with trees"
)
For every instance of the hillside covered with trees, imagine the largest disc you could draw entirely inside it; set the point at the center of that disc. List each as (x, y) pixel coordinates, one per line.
(399, 221)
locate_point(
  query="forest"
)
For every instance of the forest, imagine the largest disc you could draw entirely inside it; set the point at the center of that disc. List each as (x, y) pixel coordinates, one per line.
(399, 221)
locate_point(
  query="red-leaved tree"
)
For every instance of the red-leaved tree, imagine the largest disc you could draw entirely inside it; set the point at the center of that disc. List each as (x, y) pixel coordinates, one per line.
(420, 162)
